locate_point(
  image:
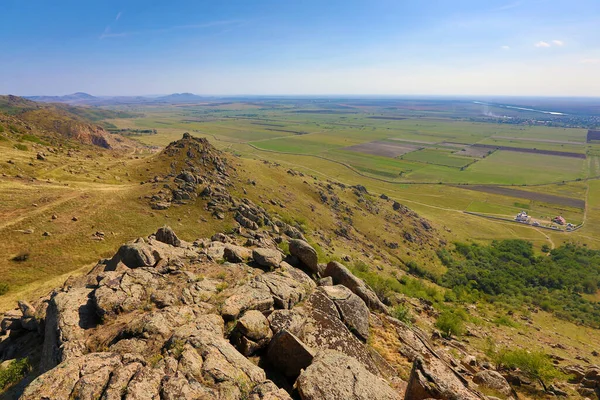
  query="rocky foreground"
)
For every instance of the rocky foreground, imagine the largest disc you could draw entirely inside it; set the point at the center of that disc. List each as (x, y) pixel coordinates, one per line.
(213, 319)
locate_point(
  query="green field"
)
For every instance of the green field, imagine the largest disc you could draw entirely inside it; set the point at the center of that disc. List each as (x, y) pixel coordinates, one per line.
(314, 138)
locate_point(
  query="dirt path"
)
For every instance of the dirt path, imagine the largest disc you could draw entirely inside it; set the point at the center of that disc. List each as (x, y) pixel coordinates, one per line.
(66, 198)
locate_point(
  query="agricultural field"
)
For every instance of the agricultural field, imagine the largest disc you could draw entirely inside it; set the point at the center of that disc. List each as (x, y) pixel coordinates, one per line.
(440, 163)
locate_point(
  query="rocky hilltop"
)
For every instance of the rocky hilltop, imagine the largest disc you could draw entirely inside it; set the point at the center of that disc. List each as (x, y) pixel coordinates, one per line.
(230, 317)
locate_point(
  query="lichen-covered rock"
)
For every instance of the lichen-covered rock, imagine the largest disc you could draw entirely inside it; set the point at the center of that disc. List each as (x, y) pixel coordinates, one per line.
(353, 310)
(289, 354)
(69, 315)
(252, 332)
(342, 276)
(333, 375)
(434, 380)
(246, 298)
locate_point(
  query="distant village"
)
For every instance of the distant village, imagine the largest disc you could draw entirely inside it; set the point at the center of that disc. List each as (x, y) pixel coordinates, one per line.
(557, 223)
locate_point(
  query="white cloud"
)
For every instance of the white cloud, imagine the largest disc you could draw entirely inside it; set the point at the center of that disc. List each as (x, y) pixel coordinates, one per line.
(541, 43)
(505, 47)
(118, 17)
(558, 42)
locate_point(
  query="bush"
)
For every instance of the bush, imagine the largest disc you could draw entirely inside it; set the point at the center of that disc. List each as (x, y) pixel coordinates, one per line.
(402, 313)
(535, 364)
(505, 321)
(22, 256)
(14, 372)
(284, 246)
(450, 323)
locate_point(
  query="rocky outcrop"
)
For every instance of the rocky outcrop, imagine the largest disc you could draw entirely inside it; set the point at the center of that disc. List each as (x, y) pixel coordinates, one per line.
(435, 380)
(168, 319)
(69, 315)
(352, 309)
(342, 276)
(333, 375)
(305, 253)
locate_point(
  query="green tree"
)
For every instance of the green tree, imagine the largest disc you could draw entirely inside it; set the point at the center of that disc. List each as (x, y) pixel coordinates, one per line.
(535, 364)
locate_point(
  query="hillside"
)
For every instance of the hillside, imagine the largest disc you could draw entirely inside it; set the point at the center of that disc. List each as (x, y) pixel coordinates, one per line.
(21, 119)
(270, 270)
(74, 98)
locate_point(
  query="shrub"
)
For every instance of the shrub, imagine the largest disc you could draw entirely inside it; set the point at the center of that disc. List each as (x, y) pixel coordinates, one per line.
(14, 372)
(3, 288)
(450, 323)
(402, 313)
(22, 256)
(535, 364)
(505, 321)
(284, 246)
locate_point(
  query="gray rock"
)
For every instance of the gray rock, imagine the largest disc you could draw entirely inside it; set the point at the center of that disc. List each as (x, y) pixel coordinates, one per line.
(236, 254)
(69, 314)
(342, 276)
(134, 255)
(254, 325)
(305, 253)
(166, 235)
(333, 375)
(289, 354)
(327, 281)
(437, 381)
(493, 380)
(353, 310)
(246, 298)
(269, 258)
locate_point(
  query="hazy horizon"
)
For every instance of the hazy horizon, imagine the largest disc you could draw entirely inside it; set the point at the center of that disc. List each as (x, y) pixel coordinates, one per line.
(527, 48)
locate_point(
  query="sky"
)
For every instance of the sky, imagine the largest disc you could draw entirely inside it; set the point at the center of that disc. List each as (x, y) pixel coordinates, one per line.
(301, 47)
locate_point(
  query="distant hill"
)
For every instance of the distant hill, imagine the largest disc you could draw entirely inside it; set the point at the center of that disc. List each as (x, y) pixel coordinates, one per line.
(80, 99)
(74, 98)
(57, 121)
(180, 98)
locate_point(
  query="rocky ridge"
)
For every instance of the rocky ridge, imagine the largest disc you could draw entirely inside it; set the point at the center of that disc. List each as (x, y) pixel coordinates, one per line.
(164, 318)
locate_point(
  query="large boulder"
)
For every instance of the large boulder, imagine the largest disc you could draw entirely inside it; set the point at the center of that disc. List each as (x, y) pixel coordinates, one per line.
(166, 235)
(353, 310)
(134, 255)
(287, 285)
(318, 326)
(493, 380)
(252, 332)
(433, 379)
(69, 314)
(333, 375)
(269, 258)
(289, 354)
(305, 253)
(246, 298)
(342, 276)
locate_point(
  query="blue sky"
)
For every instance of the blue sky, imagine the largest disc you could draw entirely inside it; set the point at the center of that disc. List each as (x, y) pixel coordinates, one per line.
(391, 47)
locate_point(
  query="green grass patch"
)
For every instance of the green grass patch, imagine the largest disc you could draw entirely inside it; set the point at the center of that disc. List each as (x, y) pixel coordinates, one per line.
(14, 372)
(20, 146)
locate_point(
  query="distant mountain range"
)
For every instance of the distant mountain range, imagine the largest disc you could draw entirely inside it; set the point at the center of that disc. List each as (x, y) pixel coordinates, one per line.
(81, 98)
